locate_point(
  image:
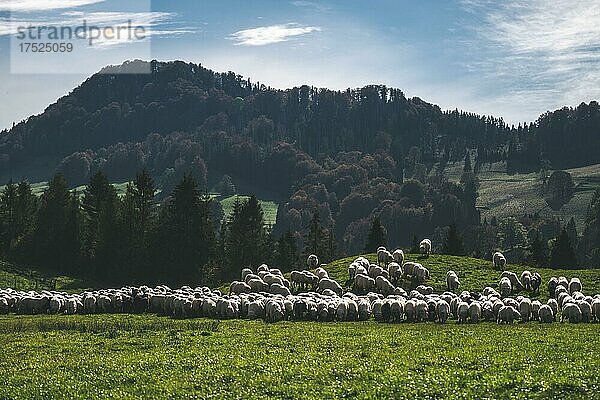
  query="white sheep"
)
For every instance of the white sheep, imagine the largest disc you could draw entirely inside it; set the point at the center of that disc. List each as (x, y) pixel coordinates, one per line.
(312, 261)
(384, 286)
(508, 314)
(384, 257)
(575, 285)
(442, 311)
(546, 315)
(505, 287)
(571, 312)
(526, 280)
(425, 247)
(398, 256)
(474, 312)
(514, 280)
(499, 260)
(462, 311)
(452, 282)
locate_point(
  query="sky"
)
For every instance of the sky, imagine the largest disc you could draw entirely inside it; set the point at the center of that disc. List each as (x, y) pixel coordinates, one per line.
(511, 59)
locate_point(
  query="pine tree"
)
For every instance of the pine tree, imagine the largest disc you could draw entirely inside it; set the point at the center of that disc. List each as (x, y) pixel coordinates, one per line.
(101, 235)
(287, 252)
(376, 237)
(188, 235)
(135, 225)
(453, 243)
(572, 231)
(8, 216)
(315, 239)
(414, 247)
(56, 235)
(539, 250)
(563, 255)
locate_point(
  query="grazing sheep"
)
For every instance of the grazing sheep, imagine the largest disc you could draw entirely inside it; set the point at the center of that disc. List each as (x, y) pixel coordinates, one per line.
(239, 287)
(572, 313)
(525, 308)
(395, 271)
(536, 282)
(398, 256)
(330, 284)
(474, 312)
(507, 315)
(321, 273)
(562, 281)
(552, 285)
(514, 280)
(526, 280)
(574, 285)
(553, 304)
(262, 268)
(425, 247)
(384, 286)
(596, 310)
(277, 288)
(442, 311)
(384, 257)
(546, 315)
(586, 311)
(245, 272)
(499, 260)
(312, 261)
(363, 283)
(505, 287)
(462, 312)
(452, 282)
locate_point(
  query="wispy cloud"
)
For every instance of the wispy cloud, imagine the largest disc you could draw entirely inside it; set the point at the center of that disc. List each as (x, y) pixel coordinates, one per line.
(270, 34)
(545, 54)
(43, 5)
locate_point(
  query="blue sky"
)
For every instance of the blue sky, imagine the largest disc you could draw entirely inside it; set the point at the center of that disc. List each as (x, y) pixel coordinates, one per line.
(514, 59)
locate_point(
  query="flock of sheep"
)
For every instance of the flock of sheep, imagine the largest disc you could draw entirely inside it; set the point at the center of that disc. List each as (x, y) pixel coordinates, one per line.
(311, 295)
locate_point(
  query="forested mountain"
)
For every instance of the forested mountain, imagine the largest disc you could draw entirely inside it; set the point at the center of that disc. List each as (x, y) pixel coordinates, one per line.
(349, 154)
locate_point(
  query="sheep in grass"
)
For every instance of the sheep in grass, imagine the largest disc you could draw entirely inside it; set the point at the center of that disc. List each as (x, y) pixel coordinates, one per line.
(507, 315)
(505, 287)
(514, 280)
(552, 285)
(330, 284)
(425, 247)
(595, 310)
(321, 273)
(395, 271)
(499, 260)
(563, 281)
(462, 312)
(442, 311)
(526, 280)
(245, 272)
(239, 287)
(575, 285)
(545, 314)
(535, 310)
(474, 312)
(262, 268)
(525, 308)
(586, 311)
(276, 288)
(536, 282)
(452, 282)
(572, 313)
(398, 256)
(364, 309)
(384, 286)
(312, 262)
(384, 257)
(363, 283)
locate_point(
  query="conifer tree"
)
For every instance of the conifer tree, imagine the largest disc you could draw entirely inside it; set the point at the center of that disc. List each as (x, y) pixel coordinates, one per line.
(376, 237)
(563, 255)
(453, 243)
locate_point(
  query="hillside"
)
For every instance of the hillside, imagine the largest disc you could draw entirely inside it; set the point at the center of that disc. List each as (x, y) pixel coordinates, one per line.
(502, 195)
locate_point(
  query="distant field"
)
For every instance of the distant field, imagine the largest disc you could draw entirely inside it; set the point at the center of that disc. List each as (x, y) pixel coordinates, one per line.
(269, 208)
(121, 356)
(503, 195)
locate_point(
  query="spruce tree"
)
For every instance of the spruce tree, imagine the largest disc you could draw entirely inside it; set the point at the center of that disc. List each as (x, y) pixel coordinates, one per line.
(563, 255)
(453, 243)
(376, 236)
(8, 216)
(314, 239)
(287, 252)
(189, 237)
(539, 250)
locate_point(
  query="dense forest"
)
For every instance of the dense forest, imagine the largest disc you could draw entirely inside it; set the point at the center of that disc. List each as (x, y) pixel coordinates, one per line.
(341, 158)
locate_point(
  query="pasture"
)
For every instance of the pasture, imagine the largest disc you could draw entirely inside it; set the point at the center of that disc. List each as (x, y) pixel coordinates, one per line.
(155, 357)
(149, 356)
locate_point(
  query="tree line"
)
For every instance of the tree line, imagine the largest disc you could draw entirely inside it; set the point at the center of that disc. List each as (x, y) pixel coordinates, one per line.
(135, 239)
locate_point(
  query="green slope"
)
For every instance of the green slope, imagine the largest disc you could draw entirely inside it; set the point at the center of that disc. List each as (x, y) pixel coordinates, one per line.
(474, 274)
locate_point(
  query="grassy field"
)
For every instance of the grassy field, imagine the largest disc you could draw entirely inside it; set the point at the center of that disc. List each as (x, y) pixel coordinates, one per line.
(24, 278)
(269, 208)
(151, 357)
(127, 356)
(503, 195)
